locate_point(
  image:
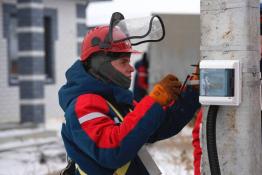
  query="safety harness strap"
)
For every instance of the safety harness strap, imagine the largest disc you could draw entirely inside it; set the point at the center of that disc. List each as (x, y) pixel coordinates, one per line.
(81, 172)
(122, 170)
(143, 154)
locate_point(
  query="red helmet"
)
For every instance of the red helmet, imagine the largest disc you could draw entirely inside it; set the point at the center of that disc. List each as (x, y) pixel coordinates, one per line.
(95, 38)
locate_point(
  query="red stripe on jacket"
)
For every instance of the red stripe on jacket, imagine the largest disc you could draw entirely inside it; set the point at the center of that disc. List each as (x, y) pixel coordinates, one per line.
(103, 130)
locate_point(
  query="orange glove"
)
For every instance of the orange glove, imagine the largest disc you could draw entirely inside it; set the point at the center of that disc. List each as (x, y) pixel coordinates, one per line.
(166, 90)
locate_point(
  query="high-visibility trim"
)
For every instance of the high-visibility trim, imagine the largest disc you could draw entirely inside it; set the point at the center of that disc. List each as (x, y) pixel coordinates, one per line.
(88, 103)
(90, 116)
(116, 111)
(81, 172)
(123, 170)
(105, 133)
(120, 171)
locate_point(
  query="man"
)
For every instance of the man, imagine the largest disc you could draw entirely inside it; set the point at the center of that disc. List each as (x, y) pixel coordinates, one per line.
(197, 151)
(141, 78)
(96, 98)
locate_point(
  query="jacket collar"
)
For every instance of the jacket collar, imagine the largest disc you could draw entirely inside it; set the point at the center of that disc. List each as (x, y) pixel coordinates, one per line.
(80, 82)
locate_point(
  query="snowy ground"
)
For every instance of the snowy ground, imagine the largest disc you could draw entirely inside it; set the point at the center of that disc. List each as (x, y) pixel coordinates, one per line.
(34, 160)
(174, 157)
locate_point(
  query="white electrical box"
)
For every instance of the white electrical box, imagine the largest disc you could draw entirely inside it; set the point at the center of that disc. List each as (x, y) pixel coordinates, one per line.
(220, 82)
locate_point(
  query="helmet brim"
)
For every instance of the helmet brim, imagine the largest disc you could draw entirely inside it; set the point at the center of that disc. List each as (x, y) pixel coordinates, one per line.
(127, 51)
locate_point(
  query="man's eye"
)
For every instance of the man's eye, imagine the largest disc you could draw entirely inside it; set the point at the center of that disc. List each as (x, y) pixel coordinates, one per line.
(123, 62)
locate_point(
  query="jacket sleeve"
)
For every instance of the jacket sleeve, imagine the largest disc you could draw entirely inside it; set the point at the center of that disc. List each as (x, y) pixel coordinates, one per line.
(178, 115)
(112, 145)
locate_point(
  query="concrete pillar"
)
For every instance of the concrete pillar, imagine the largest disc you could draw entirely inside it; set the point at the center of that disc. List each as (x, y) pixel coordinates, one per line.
(31, 65)
(230, 30)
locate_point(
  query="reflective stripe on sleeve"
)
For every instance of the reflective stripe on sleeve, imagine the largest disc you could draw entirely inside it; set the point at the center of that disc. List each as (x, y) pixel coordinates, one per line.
(90, 116)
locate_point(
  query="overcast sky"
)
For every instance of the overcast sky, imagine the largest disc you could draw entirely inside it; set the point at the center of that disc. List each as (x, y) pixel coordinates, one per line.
(99, 13)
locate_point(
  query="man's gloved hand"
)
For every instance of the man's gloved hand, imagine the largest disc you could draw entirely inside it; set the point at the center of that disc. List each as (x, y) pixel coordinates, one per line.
(166, 90)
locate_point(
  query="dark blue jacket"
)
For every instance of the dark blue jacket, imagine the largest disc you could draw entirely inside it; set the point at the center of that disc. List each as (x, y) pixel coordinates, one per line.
(93, 138)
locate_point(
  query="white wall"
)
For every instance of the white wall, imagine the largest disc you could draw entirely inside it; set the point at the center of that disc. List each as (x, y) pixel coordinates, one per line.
(65, 55)
(9, 95)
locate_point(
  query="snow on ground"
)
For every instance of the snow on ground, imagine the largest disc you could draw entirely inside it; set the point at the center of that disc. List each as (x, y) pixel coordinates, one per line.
(173, 156)
(34, 160)
(19, 132)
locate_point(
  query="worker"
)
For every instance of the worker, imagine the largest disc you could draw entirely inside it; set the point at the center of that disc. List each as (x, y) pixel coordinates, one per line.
(141, 78)
(197, 149)
(196, 142)
(104, 128)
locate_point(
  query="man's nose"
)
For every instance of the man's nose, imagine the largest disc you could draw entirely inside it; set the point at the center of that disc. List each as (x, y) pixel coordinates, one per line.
(131, 68)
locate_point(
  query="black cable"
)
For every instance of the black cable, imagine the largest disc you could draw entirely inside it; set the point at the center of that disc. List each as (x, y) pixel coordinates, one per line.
(211, 140)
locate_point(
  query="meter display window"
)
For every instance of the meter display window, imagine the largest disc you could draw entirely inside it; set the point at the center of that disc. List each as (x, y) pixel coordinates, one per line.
(217, 82)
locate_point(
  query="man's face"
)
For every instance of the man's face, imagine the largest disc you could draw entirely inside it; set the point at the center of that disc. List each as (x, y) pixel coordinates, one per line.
(123, 66)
